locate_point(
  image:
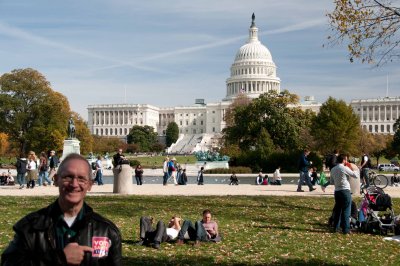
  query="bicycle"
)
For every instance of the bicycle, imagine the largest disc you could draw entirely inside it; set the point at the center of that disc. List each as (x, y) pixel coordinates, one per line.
(378, 180)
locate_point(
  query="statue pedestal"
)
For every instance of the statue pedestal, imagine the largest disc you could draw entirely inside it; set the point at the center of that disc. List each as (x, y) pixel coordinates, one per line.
(71, 146)
(122, 179)
(212, 165)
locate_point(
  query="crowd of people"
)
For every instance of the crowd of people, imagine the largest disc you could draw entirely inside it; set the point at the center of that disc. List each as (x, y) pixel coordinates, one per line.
(33, 171)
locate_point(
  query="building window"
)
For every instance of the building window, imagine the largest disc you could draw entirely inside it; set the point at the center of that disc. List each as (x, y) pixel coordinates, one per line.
(120, 131)
(370, 128)
(213, 129)
(201, 131)
(126, 131)
(106, 131)
(97, 131)
(194, 131)
(382, 128)
(201, 122)
(194, 122)
(388, 128)
(213, 120)
(213, 112)
(187, 122)
(180, 122)
(111, 131)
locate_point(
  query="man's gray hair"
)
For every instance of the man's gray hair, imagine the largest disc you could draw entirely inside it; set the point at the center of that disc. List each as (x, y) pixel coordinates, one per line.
(75, 156)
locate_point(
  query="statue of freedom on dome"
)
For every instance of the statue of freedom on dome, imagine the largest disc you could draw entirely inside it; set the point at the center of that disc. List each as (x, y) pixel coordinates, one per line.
(253, 17)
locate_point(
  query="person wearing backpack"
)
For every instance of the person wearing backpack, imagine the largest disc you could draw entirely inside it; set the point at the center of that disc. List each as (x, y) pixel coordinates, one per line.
(21, 170)
(53, 164)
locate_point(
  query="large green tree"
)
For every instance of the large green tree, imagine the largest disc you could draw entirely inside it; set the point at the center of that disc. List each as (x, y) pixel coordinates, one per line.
(277, 114)
(172, 133)
(336, 127)
(32, 114)
(369, 27)
(143, 136)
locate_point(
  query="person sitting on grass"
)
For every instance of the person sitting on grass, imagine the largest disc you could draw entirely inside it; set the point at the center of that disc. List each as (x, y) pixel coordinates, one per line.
(234, 180)
(154, 237)
(204, 230)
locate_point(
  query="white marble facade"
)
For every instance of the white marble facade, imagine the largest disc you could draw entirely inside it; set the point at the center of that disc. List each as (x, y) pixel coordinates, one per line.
(377, 115)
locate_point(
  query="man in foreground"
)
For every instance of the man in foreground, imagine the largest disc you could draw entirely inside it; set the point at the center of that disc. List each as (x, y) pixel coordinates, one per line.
(67, 232)
(340, 175)
(204, 230)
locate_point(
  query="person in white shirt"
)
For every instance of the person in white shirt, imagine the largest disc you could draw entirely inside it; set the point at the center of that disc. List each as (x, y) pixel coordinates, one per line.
(155, 236)
(32, 167)
(277, 177)
(340, 175)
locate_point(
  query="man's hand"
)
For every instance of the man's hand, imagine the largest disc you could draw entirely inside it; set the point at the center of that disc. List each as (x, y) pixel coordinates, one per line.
(75, 253)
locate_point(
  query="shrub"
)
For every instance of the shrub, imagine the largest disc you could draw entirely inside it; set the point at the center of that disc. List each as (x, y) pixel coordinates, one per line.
(236, 169)
(134, 163)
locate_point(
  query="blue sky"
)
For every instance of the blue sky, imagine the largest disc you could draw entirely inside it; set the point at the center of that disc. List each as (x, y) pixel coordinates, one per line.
(168, 53)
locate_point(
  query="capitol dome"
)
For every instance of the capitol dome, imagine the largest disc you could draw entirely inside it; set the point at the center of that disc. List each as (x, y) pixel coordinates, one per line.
(253, 72)
(253, 50)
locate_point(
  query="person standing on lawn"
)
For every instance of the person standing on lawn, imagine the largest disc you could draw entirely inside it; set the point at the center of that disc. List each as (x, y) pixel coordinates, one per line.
(340, 175)
(21, 170)
(68, 231)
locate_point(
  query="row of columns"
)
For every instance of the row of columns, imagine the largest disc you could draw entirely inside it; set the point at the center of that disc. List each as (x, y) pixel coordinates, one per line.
(368, 112)
(251, 86)
(252, 71)
(380, 128)
(111, 131)
(114, 117)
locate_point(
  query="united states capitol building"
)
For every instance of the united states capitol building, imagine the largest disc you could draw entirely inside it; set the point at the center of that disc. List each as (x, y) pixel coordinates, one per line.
(252, 73)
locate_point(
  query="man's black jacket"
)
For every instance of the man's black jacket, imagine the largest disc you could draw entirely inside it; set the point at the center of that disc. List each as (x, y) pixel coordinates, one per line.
(34, 242)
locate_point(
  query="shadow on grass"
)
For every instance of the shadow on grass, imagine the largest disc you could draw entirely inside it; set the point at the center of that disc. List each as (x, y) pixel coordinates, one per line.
(203, 260)
(282, 227)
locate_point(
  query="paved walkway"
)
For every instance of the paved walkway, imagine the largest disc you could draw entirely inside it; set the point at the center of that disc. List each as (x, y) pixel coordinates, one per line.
(189, 190)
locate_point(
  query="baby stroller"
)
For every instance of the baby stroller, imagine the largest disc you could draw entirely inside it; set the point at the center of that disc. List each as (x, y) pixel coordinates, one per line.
(376, 214)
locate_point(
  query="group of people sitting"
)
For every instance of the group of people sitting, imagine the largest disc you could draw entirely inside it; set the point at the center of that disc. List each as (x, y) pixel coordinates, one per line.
(6, 179)
(265, 180)
(205, 230)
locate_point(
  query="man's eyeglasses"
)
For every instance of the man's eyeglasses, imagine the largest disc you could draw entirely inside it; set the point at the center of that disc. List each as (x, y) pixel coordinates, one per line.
(81, 180)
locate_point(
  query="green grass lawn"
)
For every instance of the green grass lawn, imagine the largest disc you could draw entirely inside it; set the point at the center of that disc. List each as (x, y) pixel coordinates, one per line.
(257, 230)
